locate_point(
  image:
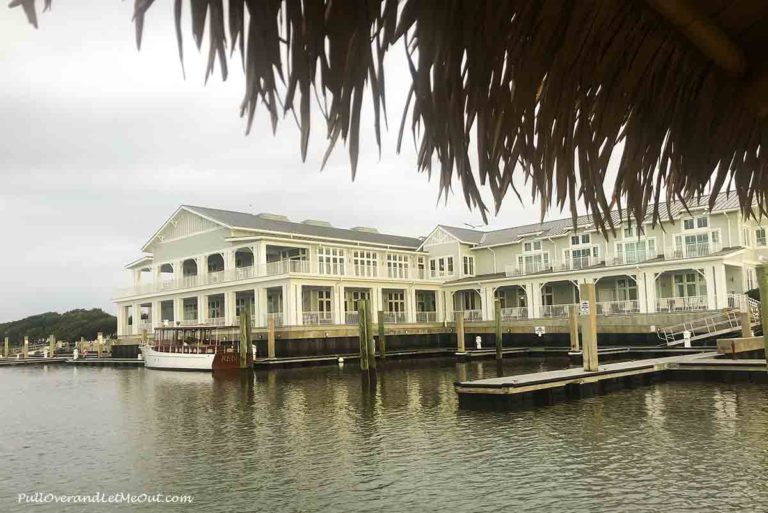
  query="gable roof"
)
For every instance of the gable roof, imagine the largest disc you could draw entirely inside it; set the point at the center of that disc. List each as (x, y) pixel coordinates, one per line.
(467, 235)
(253, 222)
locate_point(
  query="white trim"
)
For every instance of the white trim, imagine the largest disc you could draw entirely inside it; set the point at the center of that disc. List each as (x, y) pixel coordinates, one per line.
(171, 219)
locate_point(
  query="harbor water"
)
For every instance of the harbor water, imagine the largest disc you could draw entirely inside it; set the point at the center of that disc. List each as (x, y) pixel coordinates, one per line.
(314, 439)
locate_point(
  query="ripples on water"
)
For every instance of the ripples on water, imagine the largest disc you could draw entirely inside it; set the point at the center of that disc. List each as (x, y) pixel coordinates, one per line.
(312, 440)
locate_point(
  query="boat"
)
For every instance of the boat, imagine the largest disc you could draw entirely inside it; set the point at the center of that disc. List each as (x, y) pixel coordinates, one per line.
(197, 348)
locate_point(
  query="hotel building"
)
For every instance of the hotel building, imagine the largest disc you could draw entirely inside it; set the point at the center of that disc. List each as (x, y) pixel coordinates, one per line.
(205, 266)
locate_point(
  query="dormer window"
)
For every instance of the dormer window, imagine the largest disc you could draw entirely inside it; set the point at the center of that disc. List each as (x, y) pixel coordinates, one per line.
(529, 247)
(694, 223)
(577, 240)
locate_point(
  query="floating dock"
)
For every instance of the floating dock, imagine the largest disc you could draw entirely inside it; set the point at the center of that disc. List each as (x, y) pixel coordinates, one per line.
(542, 388)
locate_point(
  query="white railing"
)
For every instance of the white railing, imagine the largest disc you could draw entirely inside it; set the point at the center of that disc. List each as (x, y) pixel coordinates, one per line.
(351, 317)
(528, 268)
(554, 310)
(395, 317)
(696, 250)
(618, 307)
(278, 268)
(632, 257)
(145, 326)
(576, 262)
(276, 316)
(317, 317)
(189, 322)
(217, 321)
(469, 315)
(682, 304)
(426, 316)
(517, 312)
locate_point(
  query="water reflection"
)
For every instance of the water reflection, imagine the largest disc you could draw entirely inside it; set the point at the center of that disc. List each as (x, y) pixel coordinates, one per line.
(324, 439)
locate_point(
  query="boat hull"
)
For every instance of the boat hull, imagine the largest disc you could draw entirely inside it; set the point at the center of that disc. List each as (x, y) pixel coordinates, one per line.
(190, 361)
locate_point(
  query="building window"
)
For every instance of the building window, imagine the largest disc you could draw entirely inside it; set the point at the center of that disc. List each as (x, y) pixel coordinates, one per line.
(330, 260)
(421, 263)
(324, 300)
(532, 246)
(697, 222)
(702, 222)
(690, 285)
(533, 263)
(547, 295)
(397, 266)
(432, 268)
(353, 299)
(760, 237)
(440, 267)
(241, 304)
(215, 310)
(395, 301)
(577, 240)
(626, 289)
(468, 300)
(469, 266)
(364, 263)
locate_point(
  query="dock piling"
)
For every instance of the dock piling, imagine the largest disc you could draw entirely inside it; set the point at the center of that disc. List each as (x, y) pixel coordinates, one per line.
(589, 327)
(762, 281)
(52, 346)
(371, 349)
(6, 348)
(573, 326)
(382, 336)
(363, 337)
(25, 349)
(460, 332)
(497, 326)
(99, 342)
(271, 338)
(245, 338)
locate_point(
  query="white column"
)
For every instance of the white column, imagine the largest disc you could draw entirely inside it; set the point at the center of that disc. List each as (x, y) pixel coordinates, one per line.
(298, 301)
(229, 259)
(202, 308)
(440, 305)
(156, 315)
(122, 320)
(641, 287)
(721, 286)
(202, 273)
(709, 279)
(533, 296)
(136, 308)
(410, 305)
(376, 300)
(338, 304)
(178, 310)
(487, 303)
(651, 291)
(449, 306)
(178, 272)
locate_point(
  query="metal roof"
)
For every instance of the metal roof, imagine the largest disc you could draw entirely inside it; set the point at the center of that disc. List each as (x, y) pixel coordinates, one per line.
(248, 221)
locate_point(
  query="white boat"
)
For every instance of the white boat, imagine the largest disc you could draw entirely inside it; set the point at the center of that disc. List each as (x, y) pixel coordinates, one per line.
(201, 348)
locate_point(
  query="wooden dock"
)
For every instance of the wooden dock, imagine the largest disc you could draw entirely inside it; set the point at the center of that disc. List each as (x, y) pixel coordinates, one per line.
(106, 362)
(31, 361)
(547, 387)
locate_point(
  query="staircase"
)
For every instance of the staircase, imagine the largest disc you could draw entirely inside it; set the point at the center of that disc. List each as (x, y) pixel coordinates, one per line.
(724, 322)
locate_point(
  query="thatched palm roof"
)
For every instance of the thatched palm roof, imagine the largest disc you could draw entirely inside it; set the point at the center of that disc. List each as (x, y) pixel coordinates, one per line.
(545, 88)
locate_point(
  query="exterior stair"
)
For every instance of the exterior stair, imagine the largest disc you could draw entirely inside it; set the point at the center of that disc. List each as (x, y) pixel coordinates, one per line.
(721, 323)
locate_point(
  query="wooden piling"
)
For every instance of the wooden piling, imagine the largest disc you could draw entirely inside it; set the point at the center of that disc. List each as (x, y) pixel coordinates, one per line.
(460, 347)
(762, 280)
(52, 346)
(363, 337)
(589, 327)
(99, 341)
(746, 323)
(573, 326)
(271, 338)
(25, 349)
(245, 338)
(82, 345)
(371, 345)
(6, 348)
(497, 326)
(382, 336)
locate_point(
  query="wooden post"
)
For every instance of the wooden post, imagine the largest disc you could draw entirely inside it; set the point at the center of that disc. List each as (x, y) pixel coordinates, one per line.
(245, 339)
(51, 346)
(82, 345)
(363, 337)
(746, 323)
(371, 349)
(762, 280)
(6, 348)
(99, 340)
(382, 336)
(589, 327)
(460, 348)
(497, 325)
(25, 349)
(271, 338)
(573, 326)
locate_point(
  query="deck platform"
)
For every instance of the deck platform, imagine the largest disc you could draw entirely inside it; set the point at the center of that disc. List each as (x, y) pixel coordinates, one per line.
(106, 362)
(33, 360)
(547, 387)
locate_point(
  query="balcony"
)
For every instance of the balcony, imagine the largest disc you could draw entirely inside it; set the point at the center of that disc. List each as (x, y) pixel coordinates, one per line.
(618, 307)
(425, 317)
(316, 318)
(633, 257)
(554, 310)
(469, 315)
(278, 268)
(395, 318)
(514, 313)
(682, 304)
(695, 250)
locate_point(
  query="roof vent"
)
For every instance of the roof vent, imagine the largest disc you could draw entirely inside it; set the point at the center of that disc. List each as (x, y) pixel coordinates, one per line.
(317, 222)
(366, 229)
(272, 217)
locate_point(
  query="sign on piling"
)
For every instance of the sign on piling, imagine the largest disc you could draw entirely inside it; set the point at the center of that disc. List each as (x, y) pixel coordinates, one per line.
(588, 326)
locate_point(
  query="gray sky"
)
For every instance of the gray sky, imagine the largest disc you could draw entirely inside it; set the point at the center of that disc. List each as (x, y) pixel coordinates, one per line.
(99, 144)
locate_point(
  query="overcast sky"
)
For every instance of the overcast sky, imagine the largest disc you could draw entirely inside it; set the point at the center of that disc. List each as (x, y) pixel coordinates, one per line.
(99, 144)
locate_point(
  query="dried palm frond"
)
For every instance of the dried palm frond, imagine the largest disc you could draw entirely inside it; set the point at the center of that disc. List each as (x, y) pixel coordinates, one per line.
(548, 88)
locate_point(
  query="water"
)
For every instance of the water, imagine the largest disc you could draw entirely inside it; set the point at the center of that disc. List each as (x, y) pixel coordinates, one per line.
(310, 440)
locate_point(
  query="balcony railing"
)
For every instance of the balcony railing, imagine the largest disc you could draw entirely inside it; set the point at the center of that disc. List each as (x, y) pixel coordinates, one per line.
(317, 318)
(426, 316)
(469, 315)
(528, 268)
(351, 317)
(517, 312)
(189, 322)
(216, 321)
(395, 317)
(695, 250)
(632, 257)
(279, 268)
(276, 316)
(554, 310)
(618, 307)
(682, 304)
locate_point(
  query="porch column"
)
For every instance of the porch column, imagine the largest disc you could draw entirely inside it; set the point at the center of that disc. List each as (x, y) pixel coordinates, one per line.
(122, 320)
(260, 306)
(709, 279)
(439, 306)
(156, 315)
(449, 307)
(260, 259)
(721, 287)
(376, 300)
(202, 308)
(489, 304)
(410, 304)
(339, 316)
(642, 302)
(651, 292)
(229, 259)
(178, 273)
(178, 310)
(202, 275)
(533, 295)
(136, 308)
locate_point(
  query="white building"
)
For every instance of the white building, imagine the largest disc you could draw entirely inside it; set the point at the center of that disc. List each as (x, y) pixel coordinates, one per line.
(204, 266)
